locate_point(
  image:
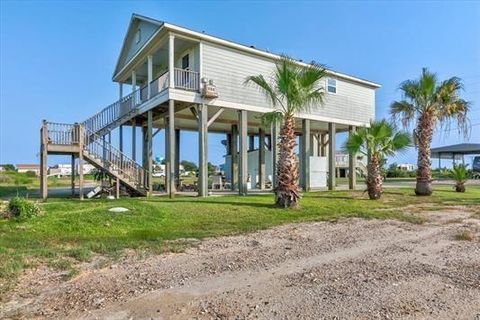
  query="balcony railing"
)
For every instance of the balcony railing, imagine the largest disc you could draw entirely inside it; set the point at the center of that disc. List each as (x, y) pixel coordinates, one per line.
(159, 84)
(184, 79)
(187, 80)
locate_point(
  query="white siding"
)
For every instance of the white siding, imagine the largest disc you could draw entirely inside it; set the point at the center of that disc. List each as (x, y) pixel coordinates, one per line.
(229, 68)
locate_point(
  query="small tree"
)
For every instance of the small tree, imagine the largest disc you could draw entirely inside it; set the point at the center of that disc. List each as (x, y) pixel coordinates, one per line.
(189, 166)
(377, 142)
(459, 174)
(292, 88)
(8, 167)
(426, 103)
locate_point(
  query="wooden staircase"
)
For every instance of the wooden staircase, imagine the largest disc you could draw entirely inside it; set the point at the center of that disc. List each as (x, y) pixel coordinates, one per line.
(75, 139)
(116, 114)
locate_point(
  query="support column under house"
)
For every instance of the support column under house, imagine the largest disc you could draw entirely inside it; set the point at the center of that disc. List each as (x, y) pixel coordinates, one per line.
(202, 150)
(261, 159)
(352, 165)
(171, 147)
(234, 157)
(331, 156)
(242, 164)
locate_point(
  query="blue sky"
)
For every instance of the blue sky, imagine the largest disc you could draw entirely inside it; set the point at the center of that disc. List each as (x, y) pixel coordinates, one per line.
(57, 58)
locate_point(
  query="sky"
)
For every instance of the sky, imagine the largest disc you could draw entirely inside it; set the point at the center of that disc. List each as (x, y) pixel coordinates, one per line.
(57, 58)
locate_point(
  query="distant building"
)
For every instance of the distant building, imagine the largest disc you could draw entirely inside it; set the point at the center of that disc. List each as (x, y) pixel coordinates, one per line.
(22, 168)
(87, 168)
(60, 170)
(407, 167)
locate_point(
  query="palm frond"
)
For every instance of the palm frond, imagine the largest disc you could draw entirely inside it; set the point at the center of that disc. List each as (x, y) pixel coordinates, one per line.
(264, 86)
(403, 111)
(271, 118)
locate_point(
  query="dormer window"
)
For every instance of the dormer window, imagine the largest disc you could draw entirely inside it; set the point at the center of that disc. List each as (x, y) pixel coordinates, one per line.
(331, 85)
(138, 36)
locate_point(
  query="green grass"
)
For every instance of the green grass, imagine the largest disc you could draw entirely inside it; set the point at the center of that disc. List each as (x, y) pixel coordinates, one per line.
(71, 231)
(14, 183)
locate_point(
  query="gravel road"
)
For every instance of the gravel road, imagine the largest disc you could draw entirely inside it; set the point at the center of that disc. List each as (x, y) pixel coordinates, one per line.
(350, 269)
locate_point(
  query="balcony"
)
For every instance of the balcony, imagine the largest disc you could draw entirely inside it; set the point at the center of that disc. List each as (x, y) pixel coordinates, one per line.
(184, 79)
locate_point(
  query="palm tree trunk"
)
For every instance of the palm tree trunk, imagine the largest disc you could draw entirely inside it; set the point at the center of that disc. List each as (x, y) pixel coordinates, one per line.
(424, 135)
(287, 191)
(374, 179)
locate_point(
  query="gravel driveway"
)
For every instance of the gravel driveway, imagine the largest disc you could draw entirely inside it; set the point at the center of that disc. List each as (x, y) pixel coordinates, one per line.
(350, 269)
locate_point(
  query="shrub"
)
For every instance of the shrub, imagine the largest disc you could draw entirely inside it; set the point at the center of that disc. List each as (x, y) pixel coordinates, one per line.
(4, 179)
(465, 235)
(459, 174)
(21, 180)
(22, 208)
(31, 174)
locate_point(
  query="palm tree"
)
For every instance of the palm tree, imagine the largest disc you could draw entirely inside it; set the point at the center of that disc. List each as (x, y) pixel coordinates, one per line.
(459, 174)
(377, 142)
(428, 102)
(292, 88)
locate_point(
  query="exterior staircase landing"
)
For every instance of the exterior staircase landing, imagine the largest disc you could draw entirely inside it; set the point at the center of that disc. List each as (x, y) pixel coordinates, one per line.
(76, 140)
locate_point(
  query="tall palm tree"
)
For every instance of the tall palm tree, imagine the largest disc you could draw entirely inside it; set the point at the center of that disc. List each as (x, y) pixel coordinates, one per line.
(377, 142)
(427, 102)
(292, 88)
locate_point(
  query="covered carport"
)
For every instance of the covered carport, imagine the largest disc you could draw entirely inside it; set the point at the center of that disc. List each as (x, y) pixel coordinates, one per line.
(455, 152)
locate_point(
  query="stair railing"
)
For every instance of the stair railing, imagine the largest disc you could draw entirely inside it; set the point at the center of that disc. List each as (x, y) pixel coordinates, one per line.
(114, 112)
(62, 133)
(113, 159)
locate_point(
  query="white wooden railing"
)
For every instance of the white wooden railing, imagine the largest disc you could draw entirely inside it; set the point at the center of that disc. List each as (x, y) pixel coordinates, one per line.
(184, 79)
(187, 80)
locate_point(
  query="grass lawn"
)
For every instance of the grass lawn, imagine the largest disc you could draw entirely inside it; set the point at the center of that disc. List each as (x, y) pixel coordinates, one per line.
(70, 231)
(22, 183)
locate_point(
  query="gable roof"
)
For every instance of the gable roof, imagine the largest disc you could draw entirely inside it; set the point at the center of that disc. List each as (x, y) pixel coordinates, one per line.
(204, 36)
(122, 57)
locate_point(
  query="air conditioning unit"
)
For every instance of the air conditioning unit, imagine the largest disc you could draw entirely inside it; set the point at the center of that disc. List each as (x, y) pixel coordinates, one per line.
(209, 90)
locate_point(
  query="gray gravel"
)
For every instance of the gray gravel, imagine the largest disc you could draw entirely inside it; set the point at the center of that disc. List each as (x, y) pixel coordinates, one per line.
(351, 269)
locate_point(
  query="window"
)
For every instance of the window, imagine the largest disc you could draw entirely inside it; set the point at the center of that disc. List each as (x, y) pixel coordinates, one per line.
(185, 62)
(138, 36)
(331, 85)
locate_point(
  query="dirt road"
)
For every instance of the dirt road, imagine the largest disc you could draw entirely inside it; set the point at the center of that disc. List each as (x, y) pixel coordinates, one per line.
(351, 269)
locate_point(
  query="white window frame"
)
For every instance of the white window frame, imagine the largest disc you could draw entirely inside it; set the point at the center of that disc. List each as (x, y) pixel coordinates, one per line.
(326, 85)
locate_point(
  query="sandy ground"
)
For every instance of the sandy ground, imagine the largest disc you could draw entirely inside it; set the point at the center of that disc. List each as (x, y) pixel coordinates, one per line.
(350, 269)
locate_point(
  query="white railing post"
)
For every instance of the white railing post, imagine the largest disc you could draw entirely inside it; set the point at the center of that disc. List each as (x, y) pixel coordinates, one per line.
(150, 75)
(134, 80)
(171, 60)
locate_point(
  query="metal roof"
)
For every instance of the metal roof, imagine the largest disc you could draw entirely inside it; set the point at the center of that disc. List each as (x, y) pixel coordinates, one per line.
(462, 148)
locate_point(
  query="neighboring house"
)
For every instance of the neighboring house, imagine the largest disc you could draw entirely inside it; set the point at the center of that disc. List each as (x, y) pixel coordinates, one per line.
(28, 167)
(172, 78)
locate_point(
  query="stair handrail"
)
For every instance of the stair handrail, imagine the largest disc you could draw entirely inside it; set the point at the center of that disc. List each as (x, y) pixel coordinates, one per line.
(114, 111)
(112, 157)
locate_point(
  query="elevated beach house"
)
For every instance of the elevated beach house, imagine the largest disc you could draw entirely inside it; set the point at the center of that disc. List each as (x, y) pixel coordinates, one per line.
(172, 78)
